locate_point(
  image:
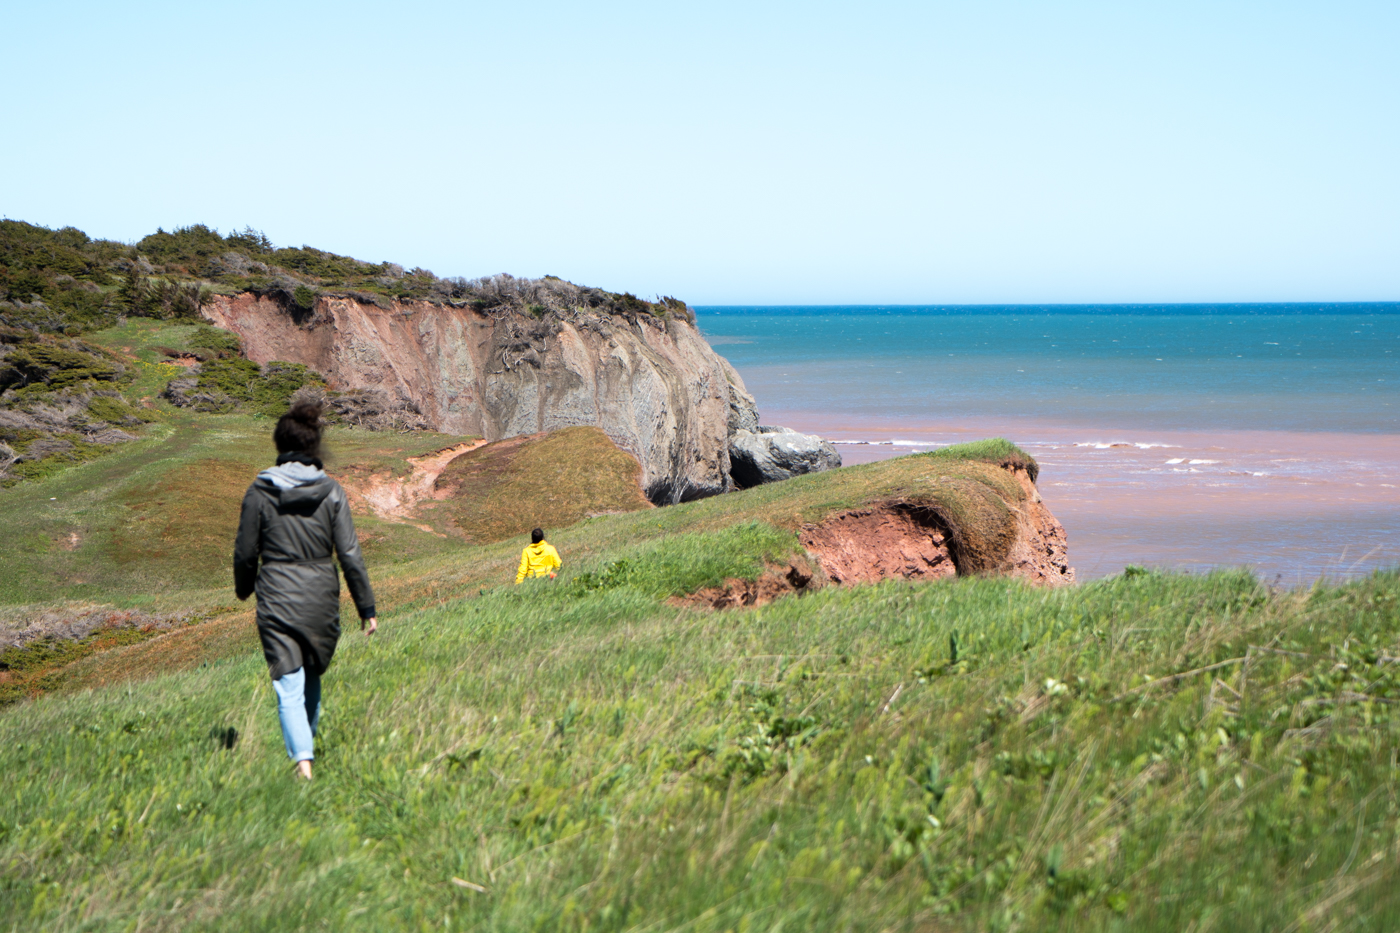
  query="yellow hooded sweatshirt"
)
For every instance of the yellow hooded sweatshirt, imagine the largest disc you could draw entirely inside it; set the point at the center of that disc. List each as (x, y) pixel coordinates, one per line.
(537, 560)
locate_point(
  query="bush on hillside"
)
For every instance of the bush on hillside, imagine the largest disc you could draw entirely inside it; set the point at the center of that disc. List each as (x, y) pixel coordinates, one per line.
(56, 280)
(29, 362)
(63, 281)
(59, 403)
(237, 384)
(222, 342)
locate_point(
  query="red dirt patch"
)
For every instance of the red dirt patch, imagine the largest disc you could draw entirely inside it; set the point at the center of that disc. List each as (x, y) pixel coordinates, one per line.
(881, 542)
(772, 584)
(394, 498)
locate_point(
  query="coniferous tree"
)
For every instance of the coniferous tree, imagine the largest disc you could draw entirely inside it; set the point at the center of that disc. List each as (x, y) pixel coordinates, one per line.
(187, 300)
(134, 294)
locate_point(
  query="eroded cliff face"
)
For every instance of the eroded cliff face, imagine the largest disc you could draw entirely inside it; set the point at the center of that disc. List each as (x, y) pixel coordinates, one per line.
(1040, 551)
(653, 384)
(900, 539)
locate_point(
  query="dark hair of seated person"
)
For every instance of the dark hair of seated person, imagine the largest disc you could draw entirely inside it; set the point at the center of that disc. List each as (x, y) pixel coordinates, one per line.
(537, 536)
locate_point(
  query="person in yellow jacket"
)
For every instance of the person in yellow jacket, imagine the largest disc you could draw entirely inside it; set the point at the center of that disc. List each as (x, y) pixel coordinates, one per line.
(539, 559)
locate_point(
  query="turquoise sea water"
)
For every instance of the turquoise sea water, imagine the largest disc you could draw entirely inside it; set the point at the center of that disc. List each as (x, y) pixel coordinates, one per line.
(1284, 367)
(1181, 436)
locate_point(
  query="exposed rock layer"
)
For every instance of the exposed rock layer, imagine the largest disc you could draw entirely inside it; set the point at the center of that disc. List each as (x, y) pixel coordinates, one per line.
(653, 384)
(773, 583)
(1040, 551)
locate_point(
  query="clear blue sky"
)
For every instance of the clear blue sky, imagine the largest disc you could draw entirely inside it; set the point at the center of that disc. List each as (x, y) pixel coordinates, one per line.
(739, 152)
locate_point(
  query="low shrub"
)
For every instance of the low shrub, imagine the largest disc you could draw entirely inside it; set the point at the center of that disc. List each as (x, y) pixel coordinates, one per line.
(232, 384)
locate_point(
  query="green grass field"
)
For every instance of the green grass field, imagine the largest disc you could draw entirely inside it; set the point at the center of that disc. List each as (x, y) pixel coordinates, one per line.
(1147, 752)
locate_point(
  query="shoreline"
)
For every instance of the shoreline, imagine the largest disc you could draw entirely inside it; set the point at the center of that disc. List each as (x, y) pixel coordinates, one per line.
(1293, 506)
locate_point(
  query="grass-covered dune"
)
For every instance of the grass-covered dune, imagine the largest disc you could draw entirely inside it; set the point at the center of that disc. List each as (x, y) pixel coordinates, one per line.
(554, 479)
(1148, 752)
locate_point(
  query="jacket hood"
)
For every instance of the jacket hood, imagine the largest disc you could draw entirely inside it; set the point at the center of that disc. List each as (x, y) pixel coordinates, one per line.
(296, 483)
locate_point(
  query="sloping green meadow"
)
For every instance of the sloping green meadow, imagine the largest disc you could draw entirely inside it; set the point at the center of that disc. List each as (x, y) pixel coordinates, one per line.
(584, 756)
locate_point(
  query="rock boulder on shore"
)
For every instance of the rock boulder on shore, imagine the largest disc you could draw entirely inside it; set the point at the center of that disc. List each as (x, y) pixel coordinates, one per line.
(770, 454)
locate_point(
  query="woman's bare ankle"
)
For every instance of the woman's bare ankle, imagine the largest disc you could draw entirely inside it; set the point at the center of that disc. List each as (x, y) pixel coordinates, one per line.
(304, 769)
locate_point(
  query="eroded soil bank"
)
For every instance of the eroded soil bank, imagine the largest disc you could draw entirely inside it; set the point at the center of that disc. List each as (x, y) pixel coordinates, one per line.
(912, 539)
(897, 539)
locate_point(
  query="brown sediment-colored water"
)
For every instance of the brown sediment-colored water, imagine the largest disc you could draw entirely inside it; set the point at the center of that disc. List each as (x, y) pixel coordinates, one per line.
(1292, 505)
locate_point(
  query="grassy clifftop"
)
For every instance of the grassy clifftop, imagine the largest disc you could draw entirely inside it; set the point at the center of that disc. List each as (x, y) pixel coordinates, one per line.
(1149, 752)
(64, 281)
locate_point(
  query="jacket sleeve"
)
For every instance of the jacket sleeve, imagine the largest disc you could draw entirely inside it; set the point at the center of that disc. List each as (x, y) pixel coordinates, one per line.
(554, 560)
(524, 565)
(352, 563)
(247, 547)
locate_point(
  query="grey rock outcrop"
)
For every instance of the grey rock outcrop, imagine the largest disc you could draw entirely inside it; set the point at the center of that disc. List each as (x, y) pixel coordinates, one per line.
(651, 382)
(743, 412)
(770, 454)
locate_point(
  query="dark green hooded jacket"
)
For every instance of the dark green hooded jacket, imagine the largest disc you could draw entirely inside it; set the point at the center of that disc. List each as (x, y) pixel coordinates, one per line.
(294, 518)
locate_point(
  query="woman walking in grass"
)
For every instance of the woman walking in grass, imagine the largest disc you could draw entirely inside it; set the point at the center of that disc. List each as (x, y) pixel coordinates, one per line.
(538, 559)
(294, 517)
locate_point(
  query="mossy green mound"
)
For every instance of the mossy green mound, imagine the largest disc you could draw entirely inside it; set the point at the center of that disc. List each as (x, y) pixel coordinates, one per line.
(996, 450)
(549, 480)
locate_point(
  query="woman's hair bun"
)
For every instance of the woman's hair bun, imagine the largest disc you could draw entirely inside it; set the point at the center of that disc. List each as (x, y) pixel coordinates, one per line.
(307, 413)
(299, 430)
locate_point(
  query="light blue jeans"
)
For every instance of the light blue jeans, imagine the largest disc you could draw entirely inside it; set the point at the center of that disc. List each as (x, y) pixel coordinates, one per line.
(299, 706)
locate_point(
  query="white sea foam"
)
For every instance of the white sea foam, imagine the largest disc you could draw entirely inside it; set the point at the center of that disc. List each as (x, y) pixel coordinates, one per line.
(1202, 462)
(888, 443)
(1177, 460)
(1102, 445)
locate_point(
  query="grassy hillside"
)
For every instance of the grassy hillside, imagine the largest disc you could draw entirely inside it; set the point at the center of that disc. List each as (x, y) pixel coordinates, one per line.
(965, 756)
(1149, 752)
(65, 401)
